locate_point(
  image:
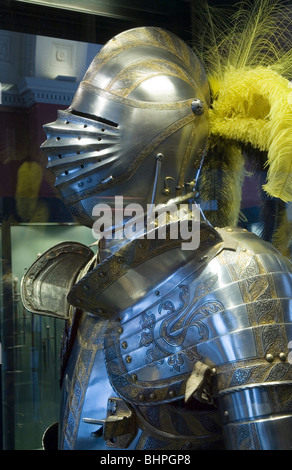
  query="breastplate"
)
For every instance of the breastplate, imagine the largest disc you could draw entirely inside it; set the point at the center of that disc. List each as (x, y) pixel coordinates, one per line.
(162, 311)
(226, 304)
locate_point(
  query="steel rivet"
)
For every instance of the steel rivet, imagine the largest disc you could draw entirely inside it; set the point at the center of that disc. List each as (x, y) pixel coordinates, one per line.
(203, 258)
(197, 107)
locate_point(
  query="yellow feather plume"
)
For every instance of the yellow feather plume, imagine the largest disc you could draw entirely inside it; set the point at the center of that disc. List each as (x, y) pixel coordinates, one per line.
(253, 107)
(248, 58)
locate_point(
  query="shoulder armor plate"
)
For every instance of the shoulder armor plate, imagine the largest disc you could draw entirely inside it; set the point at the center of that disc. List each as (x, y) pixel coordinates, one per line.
(45, 285)
(141, 264)
(234, 308)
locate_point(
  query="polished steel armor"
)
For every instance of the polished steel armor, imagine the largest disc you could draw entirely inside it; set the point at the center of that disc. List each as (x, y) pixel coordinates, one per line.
(144, 94)
(164, 348)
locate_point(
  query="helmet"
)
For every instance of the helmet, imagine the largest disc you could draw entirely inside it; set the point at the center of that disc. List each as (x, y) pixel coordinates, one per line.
(141, 107)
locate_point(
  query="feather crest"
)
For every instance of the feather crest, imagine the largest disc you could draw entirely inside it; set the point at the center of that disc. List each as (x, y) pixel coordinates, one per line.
(248, 59)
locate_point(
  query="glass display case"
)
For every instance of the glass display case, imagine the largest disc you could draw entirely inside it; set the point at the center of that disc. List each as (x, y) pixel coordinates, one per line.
(45, 49)
(30, 343)
(39, 74)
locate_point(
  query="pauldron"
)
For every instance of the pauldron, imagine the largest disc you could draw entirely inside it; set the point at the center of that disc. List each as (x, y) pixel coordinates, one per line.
(45, 285)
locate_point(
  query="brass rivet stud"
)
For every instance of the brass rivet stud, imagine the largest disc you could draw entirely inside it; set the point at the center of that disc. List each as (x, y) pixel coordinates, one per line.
(128, 359)
(282, 356)
(269, 357)
(124, 344)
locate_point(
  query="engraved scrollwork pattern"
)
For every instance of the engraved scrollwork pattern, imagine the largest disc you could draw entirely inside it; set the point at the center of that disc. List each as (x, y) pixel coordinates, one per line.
(173, 329)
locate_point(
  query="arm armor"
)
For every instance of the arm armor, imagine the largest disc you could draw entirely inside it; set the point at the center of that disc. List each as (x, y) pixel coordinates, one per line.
(254, 373)
(259, 417)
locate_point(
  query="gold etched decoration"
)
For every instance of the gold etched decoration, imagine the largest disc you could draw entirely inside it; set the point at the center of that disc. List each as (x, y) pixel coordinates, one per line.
(281, 398)
(90, 338)
(155, 38)
(273, 338)
(130, 77)
(128, 385)
(246, 437)
(171, 105)
(259, 271)
(266, 310)
(164, 345)
(240, 377)
(172, 332)
(169, 426)
(252, 372)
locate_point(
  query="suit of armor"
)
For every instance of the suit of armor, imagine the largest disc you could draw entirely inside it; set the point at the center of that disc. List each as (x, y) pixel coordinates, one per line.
(164, 348)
